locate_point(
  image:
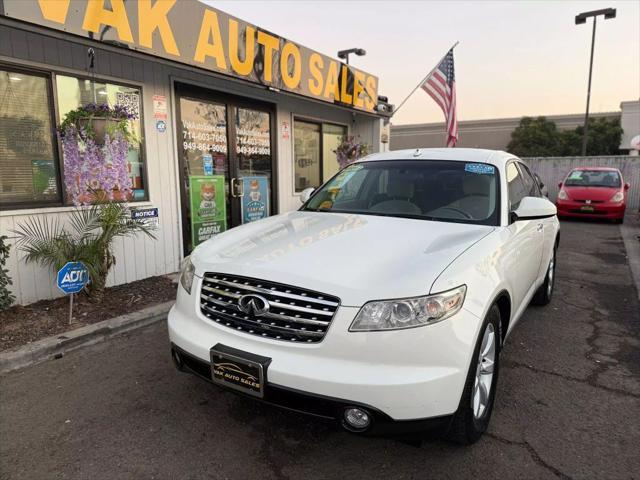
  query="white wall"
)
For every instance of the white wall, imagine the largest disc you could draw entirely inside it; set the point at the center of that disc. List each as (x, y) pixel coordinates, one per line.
(138, 258)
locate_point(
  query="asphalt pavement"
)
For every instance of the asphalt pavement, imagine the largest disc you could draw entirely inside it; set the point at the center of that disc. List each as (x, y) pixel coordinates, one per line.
(568, 403)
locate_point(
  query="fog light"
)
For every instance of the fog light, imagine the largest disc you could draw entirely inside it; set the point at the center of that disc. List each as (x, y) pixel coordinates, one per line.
(356, 418)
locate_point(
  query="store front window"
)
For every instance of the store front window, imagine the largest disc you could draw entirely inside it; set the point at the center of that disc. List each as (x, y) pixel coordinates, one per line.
(73, 92)
(314, 157)
(28, 163)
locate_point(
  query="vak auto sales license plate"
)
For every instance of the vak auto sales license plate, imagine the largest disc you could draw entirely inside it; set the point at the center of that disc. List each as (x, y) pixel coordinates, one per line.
(242, 371)
(587, 208)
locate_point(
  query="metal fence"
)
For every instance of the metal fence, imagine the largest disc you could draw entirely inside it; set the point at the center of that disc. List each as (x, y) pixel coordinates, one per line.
(552, 170)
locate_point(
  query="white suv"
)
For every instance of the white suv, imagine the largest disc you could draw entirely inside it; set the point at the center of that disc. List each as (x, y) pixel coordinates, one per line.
(384, 301)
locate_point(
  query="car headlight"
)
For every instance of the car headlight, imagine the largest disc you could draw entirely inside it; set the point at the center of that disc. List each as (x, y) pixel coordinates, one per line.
(562, 195)
(186, 274)
(408, 312)
(618, 197)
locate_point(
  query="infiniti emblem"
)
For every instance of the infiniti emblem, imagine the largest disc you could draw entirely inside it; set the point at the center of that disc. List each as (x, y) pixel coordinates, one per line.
(253, 304)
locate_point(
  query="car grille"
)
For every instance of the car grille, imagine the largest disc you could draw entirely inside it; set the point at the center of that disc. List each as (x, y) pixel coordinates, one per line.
(293, 314)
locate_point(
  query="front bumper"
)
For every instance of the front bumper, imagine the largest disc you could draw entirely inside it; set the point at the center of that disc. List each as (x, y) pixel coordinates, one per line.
(320, 406)
(569, 208)
(403, 375)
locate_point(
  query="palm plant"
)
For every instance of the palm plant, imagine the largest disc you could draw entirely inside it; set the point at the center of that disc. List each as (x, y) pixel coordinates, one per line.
(88, 239)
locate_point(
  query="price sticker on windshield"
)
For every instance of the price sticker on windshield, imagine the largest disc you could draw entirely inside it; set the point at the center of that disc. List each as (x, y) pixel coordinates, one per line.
(481, 168)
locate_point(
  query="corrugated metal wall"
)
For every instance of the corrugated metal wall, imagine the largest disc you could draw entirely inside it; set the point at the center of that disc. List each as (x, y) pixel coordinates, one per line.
(552, 170)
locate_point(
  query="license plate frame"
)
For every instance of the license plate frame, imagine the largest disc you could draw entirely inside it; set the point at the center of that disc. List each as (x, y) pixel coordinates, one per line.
(239, 370)
(587, 208)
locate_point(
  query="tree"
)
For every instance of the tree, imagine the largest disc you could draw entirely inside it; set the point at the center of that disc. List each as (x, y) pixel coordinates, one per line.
(539, 137)
(535, 137)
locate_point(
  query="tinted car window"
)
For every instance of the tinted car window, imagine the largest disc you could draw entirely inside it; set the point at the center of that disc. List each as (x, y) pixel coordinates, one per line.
(449, 191)
(515, 186)
(531, 187)
(593, 178)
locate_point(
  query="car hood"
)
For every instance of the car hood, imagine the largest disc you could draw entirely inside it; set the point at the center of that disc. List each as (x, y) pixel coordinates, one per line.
(354, 257)
(599, 194)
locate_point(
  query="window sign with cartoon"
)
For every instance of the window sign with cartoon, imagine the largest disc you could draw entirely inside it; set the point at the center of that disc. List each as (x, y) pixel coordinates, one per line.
(208, 207)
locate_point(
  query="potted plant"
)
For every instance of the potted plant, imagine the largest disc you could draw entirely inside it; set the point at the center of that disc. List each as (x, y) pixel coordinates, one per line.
(95, 144)
(350, 149)
(96, 120)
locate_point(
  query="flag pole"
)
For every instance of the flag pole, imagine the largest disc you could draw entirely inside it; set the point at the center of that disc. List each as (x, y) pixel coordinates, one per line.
(422, 81)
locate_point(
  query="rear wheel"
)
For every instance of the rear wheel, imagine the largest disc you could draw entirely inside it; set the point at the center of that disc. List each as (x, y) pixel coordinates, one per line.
(472, 417)
(544, 293)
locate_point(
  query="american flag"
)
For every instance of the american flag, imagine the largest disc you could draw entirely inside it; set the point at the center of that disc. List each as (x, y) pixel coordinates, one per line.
(441, 86)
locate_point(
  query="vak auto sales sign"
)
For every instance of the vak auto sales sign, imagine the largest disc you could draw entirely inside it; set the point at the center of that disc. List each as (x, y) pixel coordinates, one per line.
(191, 32)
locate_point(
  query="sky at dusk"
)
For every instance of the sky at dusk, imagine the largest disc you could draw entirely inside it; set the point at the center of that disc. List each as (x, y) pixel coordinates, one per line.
(514, 58)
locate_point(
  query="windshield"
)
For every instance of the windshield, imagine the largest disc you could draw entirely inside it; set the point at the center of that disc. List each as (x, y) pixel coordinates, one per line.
(449, 191)
(593, 178)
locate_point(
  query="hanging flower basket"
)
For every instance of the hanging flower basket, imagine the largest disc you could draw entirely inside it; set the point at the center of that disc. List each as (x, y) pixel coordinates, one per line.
(95, 143)
(98, 126)
(349, 150)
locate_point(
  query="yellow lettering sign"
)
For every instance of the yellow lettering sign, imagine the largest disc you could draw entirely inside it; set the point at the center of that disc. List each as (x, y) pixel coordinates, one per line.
(370, 88)
(290, 51)
(154, 17)
(241, 67)
(315, 68)
(270, 44)
(345, 96)
(331, 85)
(96, 15)
(358, 87)
(204, 48)
(54, 10)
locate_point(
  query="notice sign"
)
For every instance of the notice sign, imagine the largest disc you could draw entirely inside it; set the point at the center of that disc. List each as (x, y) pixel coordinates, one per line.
(148, 215)
(255, 201)
(160, 107)
(208, 207)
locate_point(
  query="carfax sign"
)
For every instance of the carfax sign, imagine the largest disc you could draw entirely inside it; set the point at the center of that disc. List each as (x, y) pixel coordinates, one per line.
(191, 32)
(255, 201)
(208, 207)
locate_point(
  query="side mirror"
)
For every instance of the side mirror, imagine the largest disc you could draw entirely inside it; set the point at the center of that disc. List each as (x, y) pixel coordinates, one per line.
(531, 208)
(627, 186)
(306, 194)
(560, 185)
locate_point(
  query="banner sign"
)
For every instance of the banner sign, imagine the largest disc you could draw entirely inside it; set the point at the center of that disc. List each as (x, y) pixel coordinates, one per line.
(196, 34)
(208, 207)
(255, 201)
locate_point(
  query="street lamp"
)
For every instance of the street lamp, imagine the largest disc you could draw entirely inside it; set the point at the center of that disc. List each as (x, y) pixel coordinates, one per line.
(344, 54)
(580, 19)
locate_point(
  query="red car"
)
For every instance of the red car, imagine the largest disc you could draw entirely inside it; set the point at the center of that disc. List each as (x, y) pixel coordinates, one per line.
(593, 192)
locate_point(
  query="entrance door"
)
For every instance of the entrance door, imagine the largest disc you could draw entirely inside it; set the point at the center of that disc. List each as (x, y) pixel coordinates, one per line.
(226, 162)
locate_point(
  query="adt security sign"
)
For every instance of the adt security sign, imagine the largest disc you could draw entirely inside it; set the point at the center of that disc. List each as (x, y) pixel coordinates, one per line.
(72, 277)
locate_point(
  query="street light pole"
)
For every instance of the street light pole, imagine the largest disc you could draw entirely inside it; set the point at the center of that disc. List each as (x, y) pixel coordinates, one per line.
(580, 19)
(586, 113)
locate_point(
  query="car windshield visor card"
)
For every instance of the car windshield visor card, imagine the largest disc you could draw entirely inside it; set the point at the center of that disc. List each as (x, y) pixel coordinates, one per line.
(480, 168)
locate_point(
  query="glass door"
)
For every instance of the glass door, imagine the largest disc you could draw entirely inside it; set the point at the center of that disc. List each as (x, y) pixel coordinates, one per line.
(226, 162)
(204, 165)
(253, 159)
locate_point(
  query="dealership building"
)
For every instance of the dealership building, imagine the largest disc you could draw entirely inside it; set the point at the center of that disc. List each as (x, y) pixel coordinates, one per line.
(225, 112)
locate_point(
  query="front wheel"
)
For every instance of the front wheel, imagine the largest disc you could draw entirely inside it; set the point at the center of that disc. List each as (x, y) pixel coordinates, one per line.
(472, 417)
(545, 291)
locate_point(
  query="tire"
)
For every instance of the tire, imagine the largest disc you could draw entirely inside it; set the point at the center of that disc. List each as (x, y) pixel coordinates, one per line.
(619, 220)
(545, 291)
(470, 422)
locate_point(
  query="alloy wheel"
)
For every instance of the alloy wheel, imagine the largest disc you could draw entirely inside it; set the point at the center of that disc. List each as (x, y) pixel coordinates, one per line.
(480, 397)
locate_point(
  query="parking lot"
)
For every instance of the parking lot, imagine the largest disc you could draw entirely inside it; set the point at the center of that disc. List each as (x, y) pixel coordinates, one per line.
(568, 403)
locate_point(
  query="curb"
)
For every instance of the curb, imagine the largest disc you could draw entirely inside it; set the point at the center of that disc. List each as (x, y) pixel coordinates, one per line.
(58, 345)
(630, 232)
